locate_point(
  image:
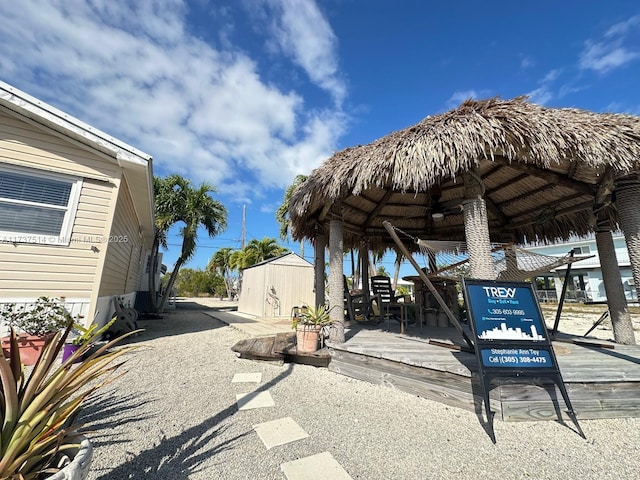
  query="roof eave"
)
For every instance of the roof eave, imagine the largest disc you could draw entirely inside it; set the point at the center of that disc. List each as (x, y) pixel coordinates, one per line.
(137, 165)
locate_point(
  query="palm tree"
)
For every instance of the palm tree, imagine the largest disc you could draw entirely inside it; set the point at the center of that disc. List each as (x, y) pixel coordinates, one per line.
(238, 260)
(177, 201)
(221, 263)
(396, 271)
(166, 199)
(282, 214)
(258, 251)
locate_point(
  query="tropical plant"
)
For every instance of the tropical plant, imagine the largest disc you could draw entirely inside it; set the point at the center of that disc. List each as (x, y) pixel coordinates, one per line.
(238, 260)
(381, 270)
(196, 282)
(39, 411)
(45, 316)
(177, 201)
(88, 334)
(257, 251)
(221, 263)
(318, 316)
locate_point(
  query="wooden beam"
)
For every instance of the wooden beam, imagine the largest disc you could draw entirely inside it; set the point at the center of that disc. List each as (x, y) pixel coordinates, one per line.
(548, 175)
(560, 213)
(380, 205)
(507, 184)
(493, 208)
(540, 207)
(543, 188)
(325, 211)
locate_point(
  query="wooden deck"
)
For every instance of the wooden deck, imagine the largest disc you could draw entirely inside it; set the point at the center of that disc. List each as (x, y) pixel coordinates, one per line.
(601, 382)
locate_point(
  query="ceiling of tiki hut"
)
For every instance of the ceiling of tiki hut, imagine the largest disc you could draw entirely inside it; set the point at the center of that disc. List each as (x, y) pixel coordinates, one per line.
(541, 169)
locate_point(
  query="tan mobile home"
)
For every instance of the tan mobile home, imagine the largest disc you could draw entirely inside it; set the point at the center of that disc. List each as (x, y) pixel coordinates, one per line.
(272, 288)
(76, 209)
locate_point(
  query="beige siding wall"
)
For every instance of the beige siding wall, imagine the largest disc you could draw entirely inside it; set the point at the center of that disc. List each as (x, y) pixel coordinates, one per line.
(30, 270)
(27, 145)
(125, 259)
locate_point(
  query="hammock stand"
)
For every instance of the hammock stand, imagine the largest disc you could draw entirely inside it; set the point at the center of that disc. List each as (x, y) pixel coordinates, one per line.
(511, 263)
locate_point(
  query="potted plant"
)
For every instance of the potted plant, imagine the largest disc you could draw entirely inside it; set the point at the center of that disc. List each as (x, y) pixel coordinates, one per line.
(37, 325)
(40, 437)
(308, 324)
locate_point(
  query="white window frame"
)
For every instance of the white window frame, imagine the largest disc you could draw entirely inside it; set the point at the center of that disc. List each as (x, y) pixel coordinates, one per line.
(64, 237)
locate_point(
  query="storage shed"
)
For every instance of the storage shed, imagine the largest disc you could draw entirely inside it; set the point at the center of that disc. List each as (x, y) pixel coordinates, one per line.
(273, 287)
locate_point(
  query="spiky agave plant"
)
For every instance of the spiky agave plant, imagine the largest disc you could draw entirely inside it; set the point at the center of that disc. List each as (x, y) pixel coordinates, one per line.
(38, 411)
(318, 316)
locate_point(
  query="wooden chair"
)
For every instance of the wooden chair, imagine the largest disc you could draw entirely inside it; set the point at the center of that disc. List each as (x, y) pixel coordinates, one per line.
(356, 306)
(387, 302)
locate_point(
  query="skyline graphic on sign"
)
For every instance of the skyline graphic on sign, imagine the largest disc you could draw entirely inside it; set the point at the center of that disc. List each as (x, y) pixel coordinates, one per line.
(505, 333)
(505, 313)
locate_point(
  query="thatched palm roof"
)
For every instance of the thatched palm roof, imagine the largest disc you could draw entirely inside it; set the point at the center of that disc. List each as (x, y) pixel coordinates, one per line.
(541, 168)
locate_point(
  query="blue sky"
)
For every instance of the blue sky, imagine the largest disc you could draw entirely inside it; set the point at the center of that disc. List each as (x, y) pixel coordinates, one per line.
(246, 94)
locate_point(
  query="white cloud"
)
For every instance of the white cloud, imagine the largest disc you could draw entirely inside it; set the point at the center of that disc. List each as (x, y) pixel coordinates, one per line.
(618, 47)
(544, 94)
(460, 96)
(623, 28)
(551, 76)
(302, 33)
(620, 107)
(541, 95)
(133, 70)
(526, 61)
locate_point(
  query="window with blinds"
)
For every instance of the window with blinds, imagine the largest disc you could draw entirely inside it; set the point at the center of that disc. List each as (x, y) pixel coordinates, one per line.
(37, 207)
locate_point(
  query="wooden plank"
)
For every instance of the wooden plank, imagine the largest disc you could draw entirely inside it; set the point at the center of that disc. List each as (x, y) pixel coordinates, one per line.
(319, 358)
(411, 352)
(462, 395)
(577, 391)
(452, 389)
(585, 409)
(284, 342)
(258, 348)
(413, 372)
(601, 382)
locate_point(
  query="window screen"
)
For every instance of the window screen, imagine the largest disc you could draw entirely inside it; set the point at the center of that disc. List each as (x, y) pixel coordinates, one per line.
(34, 204)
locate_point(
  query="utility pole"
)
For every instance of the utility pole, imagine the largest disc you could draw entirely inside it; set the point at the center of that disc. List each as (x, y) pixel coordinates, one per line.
(244, 226)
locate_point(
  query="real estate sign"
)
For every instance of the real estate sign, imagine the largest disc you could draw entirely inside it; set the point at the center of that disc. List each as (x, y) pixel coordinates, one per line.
(508, 326)
(510, 336)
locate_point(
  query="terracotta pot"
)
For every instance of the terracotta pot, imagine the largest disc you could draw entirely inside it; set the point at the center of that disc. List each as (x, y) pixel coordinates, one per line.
(30, 347)
(308, 338)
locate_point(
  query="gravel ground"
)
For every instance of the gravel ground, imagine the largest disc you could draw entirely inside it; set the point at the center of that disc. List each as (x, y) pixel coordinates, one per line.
(173, 415)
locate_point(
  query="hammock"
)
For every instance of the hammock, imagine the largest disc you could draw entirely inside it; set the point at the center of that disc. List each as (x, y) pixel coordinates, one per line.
(510, 263)
(450, 260)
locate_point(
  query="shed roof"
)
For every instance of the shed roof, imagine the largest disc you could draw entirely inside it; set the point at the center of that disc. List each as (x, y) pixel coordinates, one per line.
(541, 169)
(288, 258)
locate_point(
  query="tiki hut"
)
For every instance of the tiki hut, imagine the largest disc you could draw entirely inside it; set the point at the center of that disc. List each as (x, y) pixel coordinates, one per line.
(489, 171)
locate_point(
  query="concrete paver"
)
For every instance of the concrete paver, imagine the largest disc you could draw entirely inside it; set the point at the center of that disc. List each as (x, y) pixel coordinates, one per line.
(279, 432)
(255, 377)
(247, 401)
(316, 467)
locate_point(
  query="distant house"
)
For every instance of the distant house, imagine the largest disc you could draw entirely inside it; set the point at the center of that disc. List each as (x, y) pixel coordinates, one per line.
(272, 288)
(76, 209)
(585, 280)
